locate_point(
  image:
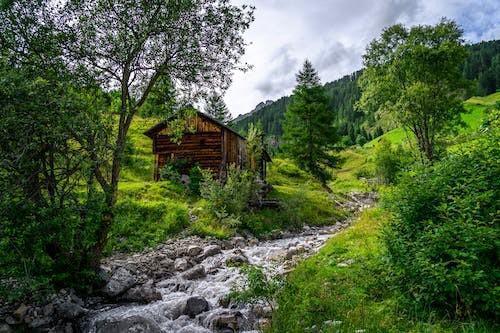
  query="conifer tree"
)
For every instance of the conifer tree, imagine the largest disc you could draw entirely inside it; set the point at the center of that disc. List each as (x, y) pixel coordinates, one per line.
(308, 127)
(216, 108)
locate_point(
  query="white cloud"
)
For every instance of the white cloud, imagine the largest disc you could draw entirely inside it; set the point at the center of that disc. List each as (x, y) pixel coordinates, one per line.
(333, 35)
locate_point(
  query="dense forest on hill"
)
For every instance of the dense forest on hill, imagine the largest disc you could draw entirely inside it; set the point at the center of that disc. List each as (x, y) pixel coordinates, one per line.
(482, 67)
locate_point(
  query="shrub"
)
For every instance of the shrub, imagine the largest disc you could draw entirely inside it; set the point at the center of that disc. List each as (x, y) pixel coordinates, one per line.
(389, 161)
(258, 287)
(195, 179)
(227, 200)
(443, 241)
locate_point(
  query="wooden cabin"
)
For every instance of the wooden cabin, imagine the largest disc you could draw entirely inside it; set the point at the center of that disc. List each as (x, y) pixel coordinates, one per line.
(207, 142)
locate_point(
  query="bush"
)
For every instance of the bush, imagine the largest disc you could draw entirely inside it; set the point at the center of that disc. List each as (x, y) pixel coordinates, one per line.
(227, 200)
(389, 161)
(443, 241)
(45, 247)
(258, 287)
(195, 179)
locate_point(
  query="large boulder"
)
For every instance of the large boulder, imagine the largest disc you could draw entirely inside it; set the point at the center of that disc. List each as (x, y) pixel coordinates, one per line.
(120, 282)
(181, 264)
(210, 251)
(194, 250)
(145, 293)
(194, 305)
(195, 273)
(132, 324)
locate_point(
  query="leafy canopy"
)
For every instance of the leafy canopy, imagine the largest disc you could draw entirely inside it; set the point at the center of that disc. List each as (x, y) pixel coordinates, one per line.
(414, 75)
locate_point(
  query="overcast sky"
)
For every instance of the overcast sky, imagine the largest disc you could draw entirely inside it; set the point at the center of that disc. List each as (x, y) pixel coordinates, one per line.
(333, 35)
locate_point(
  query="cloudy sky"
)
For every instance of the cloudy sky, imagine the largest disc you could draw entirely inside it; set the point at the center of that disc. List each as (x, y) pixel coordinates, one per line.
(333, 35)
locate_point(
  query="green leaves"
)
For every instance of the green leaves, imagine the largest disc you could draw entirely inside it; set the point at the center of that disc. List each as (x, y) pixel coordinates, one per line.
(443, 240)
(414, 76)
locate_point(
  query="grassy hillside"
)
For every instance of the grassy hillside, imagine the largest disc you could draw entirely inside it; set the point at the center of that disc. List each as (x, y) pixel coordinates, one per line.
(475, 107)
(344, 288)
(149, 212)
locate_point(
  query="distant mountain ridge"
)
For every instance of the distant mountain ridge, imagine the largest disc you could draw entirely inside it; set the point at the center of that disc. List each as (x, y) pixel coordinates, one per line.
(481, 67)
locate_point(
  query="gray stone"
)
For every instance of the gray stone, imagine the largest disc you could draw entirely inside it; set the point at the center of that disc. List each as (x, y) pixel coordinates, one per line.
(211, 250)
(194, 273)
(238, 242)
(194, 250)
(120, 282)
(181, 264)
(132, 324)
(69, 309)
(346, 263)
(21, 311)
(194, 305)
(236, 260)
(5, 328)
(145, 293)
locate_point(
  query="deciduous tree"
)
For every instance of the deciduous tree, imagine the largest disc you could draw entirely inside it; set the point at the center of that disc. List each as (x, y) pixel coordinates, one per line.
(414, 75)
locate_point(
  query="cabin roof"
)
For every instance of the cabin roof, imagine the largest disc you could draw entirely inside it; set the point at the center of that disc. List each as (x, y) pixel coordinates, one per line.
(163, 124)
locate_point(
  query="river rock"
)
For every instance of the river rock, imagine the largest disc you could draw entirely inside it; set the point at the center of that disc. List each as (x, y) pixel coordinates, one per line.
(132, 324)
(211, 250)
(181, 264)
(238, 242)
(70, 309)
(195, 273)
(225, 321)
(194, 250)
(5, 328)
(236, 260)
(120, 282)
(194, 305)
(145, 293)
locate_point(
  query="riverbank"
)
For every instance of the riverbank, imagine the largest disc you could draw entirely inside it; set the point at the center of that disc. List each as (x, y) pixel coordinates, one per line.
(180, 286)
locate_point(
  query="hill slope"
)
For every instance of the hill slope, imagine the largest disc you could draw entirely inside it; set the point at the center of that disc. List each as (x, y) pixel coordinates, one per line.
(482, 67)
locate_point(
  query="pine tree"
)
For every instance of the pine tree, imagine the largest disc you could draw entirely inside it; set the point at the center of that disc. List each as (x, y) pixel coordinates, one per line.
(217, 109)
(308, 127)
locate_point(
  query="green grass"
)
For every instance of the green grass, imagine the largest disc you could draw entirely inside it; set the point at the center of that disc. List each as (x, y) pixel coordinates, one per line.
(355, 163)
(356, 296)
(473, 118)
(148, 212)
(359, 296)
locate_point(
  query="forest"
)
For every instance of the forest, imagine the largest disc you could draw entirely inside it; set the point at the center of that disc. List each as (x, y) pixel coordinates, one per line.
(130, 203)
(358, 127)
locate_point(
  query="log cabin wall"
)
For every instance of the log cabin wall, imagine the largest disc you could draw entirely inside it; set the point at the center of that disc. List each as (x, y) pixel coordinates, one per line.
(207, 143)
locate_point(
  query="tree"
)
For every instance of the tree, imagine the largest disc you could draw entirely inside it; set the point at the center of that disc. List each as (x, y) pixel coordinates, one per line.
(414, 75)
(217, 109)
(255, 146)
(308, 127)
(129, 45)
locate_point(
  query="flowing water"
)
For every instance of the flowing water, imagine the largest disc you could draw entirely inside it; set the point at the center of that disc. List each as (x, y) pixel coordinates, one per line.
(275, 257)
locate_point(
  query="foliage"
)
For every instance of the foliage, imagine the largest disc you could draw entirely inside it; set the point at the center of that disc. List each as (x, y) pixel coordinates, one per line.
(217, 109)
(413, 75)
(46, 187)
(356, 296)
(389, 162)
(195, 179)
(227, 200)
(162, 101)
(483, 66)
(443, 242)
(258, 287)
(309, 130)
(255, 147)
(131, 46)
